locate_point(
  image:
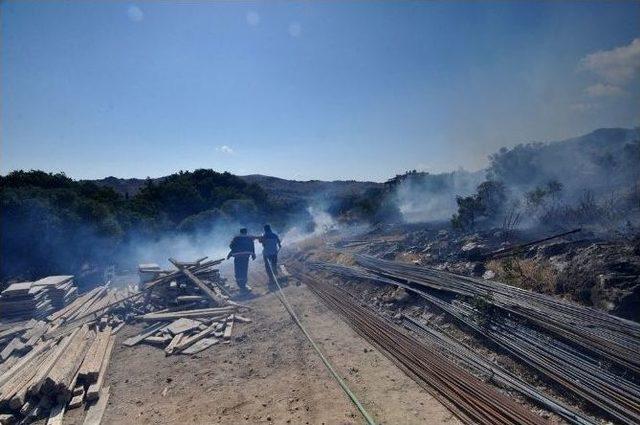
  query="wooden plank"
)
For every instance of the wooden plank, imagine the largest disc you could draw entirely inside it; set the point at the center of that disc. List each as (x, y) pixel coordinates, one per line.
(195, 313)
(19, 288)
(90, 356)
(56, 415)
(129, 342)
(189, 298)
(201, 345)
(34, 334)
(94, 390)
(96, 411)
(93, 369)
(182, 325)
(242, 319)
(172, 345)
(187, 342)
(20, 392)
(20, 381)
(14, 345)
(74, 306)
(217, 300)
(117, 328)
(52, 357)
(158, 340)
(7, 419)
(6, 333)
(65, 368)
(229, 329)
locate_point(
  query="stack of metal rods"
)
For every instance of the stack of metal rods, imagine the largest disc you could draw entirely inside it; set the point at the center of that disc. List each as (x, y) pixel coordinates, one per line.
(614, 338)
(580, 372)
(470, 399)
(477, 363)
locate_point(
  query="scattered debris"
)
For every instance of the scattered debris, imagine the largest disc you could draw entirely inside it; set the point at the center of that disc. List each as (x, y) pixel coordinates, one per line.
(59, 359)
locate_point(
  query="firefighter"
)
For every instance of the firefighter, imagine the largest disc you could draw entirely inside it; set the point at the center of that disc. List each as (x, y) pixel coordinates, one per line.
(241, 248)
(270, 246)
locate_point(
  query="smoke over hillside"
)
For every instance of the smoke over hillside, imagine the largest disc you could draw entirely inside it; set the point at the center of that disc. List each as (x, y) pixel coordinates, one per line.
(566, 180)
(422, 197)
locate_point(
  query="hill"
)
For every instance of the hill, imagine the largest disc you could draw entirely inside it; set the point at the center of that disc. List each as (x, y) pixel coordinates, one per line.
(280, 189)
(306, 190)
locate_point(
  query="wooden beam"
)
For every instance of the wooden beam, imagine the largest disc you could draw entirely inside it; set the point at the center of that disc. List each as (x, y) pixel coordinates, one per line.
(94, 390)
(130, 342)
(201, 345)
(187, 342)
(96, 411)
(172, 345)
(217, 300)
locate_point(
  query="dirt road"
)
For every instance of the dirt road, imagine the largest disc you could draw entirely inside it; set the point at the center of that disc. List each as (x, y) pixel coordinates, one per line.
(267, 374)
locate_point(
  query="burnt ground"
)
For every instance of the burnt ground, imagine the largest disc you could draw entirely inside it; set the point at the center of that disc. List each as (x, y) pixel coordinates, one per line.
(267, 374)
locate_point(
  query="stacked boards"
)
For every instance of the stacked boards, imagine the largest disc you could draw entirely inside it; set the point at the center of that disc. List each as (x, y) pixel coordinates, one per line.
(23, 301)
(60, 290)
(26, 300)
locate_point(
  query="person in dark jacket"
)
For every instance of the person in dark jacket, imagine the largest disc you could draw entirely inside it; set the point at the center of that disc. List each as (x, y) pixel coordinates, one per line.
(270, 246)
(241, 248)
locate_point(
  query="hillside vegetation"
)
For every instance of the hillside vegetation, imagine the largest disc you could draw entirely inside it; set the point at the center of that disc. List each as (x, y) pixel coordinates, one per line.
(53, 224)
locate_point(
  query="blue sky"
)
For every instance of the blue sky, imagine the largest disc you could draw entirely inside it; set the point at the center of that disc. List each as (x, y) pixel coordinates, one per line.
(326, 90)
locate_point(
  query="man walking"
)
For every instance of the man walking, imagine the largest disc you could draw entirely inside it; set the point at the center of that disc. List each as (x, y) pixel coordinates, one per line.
(270, 246)
(241, 248)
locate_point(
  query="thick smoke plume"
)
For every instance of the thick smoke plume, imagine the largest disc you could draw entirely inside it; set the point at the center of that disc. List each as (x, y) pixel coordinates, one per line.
(596, 176)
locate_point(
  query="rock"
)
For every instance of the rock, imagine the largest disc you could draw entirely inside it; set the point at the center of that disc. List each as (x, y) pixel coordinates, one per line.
(489, 274)
(473, 251)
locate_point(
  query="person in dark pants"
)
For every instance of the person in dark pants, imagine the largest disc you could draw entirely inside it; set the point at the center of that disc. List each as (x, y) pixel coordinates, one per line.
(241, 248)
(270, 246)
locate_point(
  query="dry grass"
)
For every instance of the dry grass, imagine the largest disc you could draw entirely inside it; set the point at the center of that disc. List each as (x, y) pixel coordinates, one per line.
(539, 276)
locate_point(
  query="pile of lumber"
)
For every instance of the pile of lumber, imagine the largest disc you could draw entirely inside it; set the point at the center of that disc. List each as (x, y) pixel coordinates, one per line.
(44, 372)
(59, 289)
(23, 300)
(97, 301)
(192, 308)
(60, 362)
(188, 331)
(37, 299)
(56, 374)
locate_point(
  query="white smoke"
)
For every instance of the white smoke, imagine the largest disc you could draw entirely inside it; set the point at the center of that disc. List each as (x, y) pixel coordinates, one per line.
(322, 222)
(432, 197)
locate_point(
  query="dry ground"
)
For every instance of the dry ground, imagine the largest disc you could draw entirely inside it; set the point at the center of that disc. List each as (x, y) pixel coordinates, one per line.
(268, 374)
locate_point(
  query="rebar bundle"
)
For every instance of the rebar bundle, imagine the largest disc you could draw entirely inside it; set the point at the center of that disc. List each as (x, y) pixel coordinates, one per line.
(469, 398)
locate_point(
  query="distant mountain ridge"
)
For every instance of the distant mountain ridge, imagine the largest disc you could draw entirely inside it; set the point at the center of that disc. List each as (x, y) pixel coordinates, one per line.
(279, 188)
(274, 186)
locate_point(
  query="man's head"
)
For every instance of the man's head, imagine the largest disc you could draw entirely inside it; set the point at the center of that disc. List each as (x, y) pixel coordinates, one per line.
(243, 231)
(267, 228)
